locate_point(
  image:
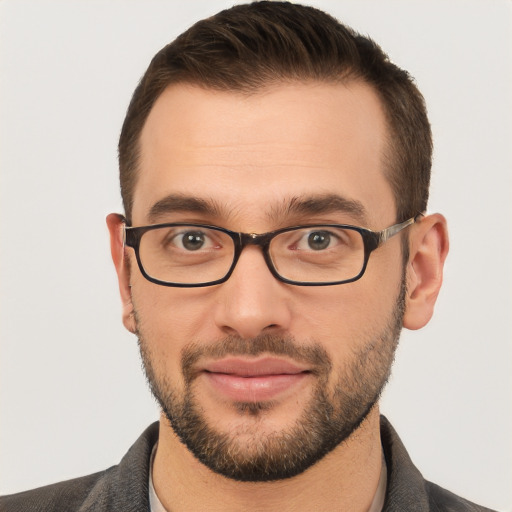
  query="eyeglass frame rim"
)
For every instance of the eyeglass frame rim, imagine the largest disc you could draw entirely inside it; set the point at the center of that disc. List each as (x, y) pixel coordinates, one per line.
(372, 240)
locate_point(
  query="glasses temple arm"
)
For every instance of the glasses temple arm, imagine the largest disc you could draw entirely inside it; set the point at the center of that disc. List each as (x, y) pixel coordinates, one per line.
(387, 233)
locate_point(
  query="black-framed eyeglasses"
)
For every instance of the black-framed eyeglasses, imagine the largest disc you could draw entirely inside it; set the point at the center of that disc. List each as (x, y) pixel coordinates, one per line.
(194, 255)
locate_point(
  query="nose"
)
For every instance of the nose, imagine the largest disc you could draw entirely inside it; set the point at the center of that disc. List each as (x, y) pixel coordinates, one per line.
(252, 301)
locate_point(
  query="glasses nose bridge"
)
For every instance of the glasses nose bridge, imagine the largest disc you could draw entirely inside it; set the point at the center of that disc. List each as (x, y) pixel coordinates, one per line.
(260, 240)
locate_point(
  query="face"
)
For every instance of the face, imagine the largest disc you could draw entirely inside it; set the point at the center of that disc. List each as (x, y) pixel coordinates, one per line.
(259, 378)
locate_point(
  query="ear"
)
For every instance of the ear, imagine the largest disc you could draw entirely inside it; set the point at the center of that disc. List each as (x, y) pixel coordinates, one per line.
(428, 248)
(115, 223)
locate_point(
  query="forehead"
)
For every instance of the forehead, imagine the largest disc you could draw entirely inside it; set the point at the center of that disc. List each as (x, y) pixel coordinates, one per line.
(250, 154)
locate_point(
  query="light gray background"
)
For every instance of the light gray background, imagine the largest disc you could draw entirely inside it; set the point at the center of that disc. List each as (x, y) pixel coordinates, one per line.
(72, 394)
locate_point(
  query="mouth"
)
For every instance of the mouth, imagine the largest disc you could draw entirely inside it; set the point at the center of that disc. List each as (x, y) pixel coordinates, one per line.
(254, 380)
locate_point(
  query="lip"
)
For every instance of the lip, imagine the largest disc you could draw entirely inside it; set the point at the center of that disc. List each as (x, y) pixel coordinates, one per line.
(259, 380)
(254, 367)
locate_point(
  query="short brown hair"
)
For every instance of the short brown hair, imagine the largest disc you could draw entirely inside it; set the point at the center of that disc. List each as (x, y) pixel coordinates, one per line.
(250, 46)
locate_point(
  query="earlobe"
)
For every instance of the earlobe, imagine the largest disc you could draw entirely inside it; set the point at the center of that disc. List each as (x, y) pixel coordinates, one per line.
(428, 248)
(115, 224)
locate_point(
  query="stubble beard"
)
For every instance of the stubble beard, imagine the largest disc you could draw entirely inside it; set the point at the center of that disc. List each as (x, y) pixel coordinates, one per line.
(328, 419)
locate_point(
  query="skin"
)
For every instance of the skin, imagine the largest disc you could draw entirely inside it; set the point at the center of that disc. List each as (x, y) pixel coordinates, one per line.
(299, 140)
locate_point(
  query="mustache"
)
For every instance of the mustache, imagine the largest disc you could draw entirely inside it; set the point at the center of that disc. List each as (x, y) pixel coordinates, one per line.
(313, 355)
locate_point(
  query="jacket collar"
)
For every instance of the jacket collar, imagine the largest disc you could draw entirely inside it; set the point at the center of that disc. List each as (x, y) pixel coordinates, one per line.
(406, 486)
(124, 488)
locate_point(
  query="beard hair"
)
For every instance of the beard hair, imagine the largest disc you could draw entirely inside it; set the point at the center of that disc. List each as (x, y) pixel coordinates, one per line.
(328, 419)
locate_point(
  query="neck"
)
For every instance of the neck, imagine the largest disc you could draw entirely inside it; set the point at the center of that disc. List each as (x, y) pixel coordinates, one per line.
(345, 479)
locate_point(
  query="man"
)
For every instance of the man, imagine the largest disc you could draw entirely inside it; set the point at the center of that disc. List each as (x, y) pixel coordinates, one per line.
(274, 171)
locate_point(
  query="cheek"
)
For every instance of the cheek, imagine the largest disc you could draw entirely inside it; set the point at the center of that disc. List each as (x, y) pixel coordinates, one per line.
(344, 319)
(169, 317)
(164, 330)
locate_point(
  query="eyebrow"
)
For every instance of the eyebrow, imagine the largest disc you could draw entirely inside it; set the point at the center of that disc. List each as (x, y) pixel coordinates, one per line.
(175, 203)
(321, 204)
(303, 206)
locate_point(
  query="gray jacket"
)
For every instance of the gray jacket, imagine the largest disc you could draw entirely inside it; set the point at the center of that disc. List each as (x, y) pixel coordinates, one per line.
(124, 488)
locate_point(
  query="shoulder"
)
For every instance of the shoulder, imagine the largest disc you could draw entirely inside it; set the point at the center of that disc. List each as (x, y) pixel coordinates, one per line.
(442, 500)
(121, 488)
(66, 496)
(407, 489)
